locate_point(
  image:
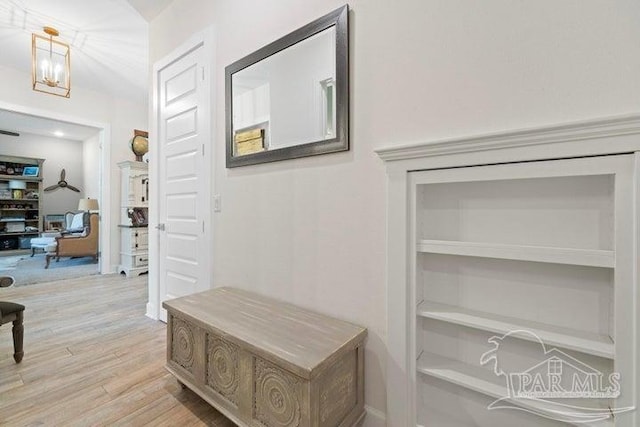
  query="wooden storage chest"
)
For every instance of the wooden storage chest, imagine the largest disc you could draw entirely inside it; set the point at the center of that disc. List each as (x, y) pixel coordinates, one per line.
(262, 362)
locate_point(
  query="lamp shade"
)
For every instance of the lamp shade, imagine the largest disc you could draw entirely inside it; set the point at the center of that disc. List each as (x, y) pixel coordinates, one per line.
(88, 205)
(14, 184)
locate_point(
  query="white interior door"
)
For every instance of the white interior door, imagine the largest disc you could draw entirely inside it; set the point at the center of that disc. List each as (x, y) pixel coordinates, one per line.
(183, 169)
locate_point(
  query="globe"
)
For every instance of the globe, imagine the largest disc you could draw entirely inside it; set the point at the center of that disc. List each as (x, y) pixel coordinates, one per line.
(139, 146)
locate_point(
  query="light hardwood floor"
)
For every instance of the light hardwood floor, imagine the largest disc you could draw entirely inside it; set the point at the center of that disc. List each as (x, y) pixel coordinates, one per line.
(91, 359)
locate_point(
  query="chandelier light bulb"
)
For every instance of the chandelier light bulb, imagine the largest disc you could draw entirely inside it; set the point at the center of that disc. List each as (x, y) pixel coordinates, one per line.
(44, 67)
(56, 71)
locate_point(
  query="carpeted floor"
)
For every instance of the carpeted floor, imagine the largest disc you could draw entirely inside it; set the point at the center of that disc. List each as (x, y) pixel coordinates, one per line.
(27, 270)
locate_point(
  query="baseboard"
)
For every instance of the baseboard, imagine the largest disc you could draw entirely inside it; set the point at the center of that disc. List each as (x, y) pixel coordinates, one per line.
(151, 311)
(111, 269)
(374, 417)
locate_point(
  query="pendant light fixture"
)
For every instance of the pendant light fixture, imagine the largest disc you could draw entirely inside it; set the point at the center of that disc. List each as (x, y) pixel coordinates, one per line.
(51, 66)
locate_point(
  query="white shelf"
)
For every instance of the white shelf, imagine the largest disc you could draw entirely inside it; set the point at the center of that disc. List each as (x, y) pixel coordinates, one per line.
(484, 381)
(585, 342)
(586, 257)
(20, 178)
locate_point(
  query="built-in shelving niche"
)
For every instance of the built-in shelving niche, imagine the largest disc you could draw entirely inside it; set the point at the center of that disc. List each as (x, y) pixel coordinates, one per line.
(508, 248)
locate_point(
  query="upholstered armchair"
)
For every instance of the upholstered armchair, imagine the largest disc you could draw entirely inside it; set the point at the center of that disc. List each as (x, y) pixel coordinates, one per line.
(73, 245)
(75, 223)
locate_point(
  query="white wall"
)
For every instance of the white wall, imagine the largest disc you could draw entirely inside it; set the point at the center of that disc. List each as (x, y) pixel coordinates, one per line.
(91, 167)
(58, 153)
(122, 116)
(251, 106)
(312, 231)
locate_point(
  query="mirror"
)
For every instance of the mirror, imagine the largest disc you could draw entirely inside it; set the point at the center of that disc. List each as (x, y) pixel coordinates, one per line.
(289, 99)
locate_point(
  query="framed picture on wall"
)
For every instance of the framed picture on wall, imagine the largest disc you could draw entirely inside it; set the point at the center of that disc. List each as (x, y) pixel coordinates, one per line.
(53, 222)
(30, 171)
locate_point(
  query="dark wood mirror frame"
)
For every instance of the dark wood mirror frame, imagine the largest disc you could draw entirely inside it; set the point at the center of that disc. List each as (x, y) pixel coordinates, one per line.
(337, 18)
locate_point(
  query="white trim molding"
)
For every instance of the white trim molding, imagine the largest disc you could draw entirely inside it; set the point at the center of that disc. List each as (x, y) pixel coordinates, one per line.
(576, 131)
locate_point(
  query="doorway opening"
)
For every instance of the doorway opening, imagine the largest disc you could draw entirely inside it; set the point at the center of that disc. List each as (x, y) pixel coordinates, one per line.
(80, 148)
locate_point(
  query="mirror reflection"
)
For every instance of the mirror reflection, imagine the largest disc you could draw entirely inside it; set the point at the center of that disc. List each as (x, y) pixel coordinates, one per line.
(288, 98)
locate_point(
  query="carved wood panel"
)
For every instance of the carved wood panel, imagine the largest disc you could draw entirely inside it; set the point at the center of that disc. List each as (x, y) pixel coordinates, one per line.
(222, 368)
(277, 396)
(182, 344)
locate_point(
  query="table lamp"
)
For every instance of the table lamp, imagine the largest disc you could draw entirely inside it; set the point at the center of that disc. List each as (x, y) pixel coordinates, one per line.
(88, 205)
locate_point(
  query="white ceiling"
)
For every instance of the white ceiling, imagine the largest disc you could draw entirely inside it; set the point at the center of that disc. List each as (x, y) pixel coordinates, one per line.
(24, 123)
(109, 49)
(149, 9)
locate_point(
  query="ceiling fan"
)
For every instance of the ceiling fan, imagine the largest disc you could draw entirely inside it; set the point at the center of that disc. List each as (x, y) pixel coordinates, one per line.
(62, 184)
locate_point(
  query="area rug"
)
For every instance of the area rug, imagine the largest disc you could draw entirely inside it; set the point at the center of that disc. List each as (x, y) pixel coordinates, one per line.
(27, 270)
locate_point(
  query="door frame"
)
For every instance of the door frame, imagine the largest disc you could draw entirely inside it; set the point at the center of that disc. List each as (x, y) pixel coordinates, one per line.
(205, 39)
(104, 140)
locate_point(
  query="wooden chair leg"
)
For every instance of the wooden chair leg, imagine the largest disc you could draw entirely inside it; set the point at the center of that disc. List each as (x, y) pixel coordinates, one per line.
(18, 337)
(48, 259)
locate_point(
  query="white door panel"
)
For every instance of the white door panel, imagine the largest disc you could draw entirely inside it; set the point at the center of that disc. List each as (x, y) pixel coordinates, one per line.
(183, 183)
(182, 83)
(182, 128)
(177, 284)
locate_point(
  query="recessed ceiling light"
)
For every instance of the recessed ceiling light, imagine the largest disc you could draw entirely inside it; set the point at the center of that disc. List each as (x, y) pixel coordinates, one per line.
(59, 133)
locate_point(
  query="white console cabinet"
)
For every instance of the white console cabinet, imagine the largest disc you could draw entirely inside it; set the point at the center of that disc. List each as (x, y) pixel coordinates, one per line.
(134, 246)
(514, 258)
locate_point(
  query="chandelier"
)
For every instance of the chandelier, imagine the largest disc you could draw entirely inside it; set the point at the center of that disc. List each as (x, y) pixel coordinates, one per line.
(51, 67)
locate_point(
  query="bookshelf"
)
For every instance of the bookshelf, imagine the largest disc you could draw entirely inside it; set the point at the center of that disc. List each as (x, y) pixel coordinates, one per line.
(20, 202)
